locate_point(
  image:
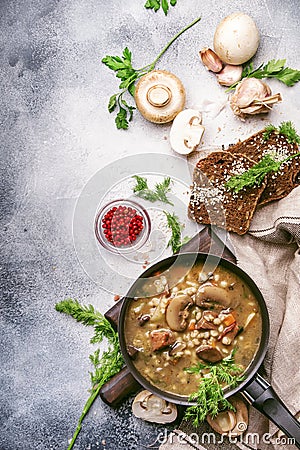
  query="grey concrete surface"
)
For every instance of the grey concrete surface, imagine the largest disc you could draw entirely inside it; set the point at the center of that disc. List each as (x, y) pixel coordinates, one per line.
(55, 133)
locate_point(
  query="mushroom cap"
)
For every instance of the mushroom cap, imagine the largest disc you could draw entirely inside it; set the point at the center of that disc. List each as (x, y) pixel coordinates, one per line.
(214, 294)
(159, 96)
(176, 312)
(236, 38)
(186, 131)
(209, 353)
(152, 408)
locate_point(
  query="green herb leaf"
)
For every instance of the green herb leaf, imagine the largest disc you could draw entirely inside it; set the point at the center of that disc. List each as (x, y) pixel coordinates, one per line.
(289, 131)
(121, 119)
(152, 4)
(165, 6)
(210, 396)
(160, 192)
(156, 4)
(274, 66)
(268, 131)
(288, 76)
(112, 103)
(257, 173)
(82, 313)
(273, 69)
(162, 189)
(122, 66)
(175, 226)
(106, 366)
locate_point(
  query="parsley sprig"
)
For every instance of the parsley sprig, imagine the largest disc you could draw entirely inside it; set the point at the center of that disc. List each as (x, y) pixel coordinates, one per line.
(128, 75)
(156, 4)
(210, 395)
(159, 193)
(106, 365)
(256, 174)
(273, 69)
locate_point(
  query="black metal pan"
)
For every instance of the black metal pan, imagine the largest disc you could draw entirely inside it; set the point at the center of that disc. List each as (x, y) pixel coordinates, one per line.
(254, 387)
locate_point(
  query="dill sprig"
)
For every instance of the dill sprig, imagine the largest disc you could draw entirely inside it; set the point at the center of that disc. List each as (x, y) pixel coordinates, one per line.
(286, 129)
(175, 241)
(159, 193)
(210, 395)
(257, 173)
(106, 365)
(268, 131)
(175, 226)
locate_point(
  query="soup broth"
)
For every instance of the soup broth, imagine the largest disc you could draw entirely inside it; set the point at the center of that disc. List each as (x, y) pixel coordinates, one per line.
(203, 318)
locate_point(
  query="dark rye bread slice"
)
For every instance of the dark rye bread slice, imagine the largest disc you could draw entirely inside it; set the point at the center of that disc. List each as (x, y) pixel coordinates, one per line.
(283, 182)
(212, 203)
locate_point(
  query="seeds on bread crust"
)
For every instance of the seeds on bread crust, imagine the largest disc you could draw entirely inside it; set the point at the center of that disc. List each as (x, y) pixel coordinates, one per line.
(212, 202)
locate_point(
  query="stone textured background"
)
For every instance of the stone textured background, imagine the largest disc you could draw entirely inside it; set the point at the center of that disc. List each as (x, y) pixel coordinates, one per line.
(55, 133)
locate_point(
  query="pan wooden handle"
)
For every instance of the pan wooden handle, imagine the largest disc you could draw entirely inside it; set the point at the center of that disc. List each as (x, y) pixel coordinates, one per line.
(119, 387)
(112, 315)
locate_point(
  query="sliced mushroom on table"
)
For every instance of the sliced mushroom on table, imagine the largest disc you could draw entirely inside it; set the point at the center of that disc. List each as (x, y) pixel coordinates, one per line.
(152, 408)
(232, 423)
(177, 312)
(186, 131)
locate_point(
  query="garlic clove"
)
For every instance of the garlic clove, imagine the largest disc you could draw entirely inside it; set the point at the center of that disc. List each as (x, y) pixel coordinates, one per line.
(252, 96)
(262, 106)
(211, 60)
(229, 75)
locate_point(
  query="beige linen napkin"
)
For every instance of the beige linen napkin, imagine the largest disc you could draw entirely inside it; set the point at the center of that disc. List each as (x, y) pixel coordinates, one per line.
(270, 254)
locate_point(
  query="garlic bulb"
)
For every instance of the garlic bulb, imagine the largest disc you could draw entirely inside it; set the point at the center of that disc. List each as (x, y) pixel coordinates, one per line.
(229, 75)
(252, 96)
(211, 60)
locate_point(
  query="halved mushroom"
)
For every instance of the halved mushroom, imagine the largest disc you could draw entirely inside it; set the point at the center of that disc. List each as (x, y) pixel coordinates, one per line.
(229, 422)
(177, 312)
(241, 413)
(223, 422)
(209, 353)
(152, 408)
(210, 295)
(159, 96)
(186, 131)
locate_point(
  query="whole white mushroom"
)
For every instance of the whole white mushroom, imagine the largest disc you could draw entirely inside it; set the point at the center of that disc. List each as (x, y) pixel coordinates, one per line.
(236, 39)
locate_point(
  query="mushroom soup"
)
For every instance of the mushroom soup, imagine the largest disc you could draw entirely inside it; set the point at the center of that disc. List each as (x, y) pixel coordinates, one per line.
(202, 318)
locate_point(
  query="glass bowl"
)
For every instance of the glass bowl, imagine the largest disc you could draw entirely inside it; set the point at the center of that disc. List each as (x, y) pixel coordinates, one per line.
(130, 211)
